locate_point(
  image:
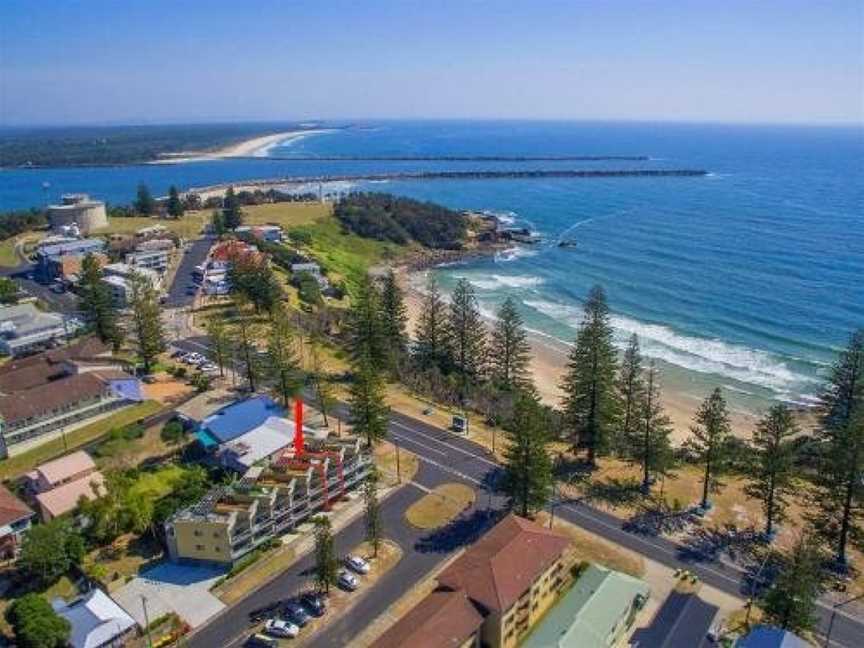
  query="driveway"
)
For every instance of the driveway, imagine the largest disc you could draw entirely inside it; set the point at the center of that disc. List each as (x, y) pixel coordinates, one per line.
(170, 588)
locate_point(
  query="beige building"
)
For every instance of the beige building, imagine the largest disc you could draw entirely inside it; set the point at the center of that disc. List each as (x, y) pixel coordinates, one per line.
(511, 577)
(268, 501)
(78, 210)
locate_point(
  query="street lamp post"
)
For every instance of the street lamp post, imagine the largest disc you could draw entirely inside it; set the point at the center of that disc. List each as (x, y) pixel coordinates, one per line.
(146, 621)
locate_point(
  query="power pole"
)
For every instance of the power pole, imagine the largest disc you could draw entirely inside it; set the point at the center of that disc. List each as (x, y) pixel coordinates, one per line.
(146, 621)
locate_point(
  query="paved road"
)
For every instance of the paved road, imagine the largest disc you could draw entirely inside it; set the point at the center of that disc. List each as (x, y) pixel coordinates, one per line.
(193, 256)
(420, 555)
(470, 463)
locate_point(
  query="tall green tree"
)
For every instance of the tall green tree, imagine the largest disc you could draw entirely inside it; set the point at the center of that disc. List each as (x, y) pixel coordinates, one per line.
(711, 432)
(467, 332)
(145, 204)
(791, 601)
(231, 212)
(50, 550)
(631, 387)
(509, 351)
(591, 403)
(364, 326)
(372, 511)
(100, 312)
(326, 564)
(433, 346)
(36, 624)
(394, 320)
(220, 342)
(325, 399)
(9, 291)
(841, 431)
(771, 473)
(281, 365)
(217, 221)
(251, 275)
(648, 440)
(369, 411)
(175, 206)
(527, 466)
(245, 347)
(147, 332)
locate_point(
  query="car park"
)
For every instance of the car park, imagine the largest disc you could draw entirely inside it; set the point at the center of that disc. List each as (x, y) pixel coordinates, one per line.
(281, 628)
(357, 564)
(296, 613)
(347, 581)
(314, 602)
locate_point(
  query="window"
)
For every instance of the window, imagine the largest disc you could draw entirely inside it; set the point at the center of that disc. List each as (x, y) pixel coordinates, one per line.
(199, 547)
(197, 533)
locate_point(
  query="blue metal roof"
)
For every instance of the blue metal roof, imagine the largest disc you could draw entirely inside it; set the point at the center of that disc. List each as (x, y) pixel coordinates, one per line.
(763, 636)
(239, 418)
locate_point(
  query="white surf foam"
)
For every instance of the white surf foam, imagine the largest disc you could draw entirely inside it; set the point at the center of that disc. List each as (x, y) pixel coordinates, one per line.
(703, 355)
(498, 281)
(514, 253)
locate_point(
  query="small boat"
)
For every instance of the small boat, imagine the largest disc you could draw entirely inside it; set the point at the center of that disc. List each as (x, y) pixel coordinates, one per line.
(567, 243)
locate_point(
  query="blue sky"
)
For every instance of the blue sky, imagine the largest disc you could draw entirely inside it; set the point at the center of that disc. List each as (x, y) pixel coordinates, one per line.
(159, 60)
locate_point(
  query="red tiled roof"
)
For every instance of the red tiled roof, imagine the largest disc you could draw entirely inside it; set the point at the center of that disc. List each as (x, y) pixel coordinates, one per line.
(30, 376)
(11, 508)
(442, 619)
(504, 563)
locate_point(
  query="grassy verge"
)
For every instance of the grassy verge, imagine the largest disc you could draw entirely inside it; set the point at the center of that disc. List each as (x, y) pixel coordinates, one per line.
(14, 466)
(385, 460)
(260, 571)
(8, 257)
(591, 548)
(437, 508)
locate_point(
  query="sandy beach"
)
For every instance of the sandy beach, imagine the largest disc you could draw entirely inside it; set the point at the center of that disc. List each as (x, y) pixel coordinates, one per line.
(548, 361)
(255, 147)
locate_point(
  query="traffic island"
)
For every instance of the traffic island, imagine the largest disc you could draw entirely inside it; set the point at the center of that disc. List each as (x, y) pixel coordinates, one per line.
(441, 505)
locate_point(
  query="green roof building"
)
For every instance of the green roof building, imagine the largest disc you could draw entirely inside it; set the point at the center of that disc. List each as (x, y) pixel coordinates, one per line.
(597, 612)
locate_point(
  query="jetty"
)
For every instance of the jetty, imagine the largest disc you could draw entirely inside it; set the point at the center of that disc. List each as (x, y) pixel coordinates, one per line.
(461, 175)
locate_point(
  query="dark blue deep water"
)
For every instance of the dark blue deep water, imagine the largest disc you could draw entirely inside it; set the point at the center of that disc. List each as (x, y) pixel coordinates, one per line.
(750, 278)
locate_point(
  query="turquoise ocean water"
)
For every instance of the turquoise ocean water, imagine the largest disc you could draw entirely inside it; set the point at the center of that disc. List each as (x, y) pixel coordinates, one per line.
(750, 278)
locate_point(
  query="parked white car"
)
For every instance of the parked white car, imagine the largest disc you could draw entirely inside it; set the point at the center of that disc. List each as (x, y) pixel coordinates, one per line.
(347, 580)
(357, 564)
(281, 628)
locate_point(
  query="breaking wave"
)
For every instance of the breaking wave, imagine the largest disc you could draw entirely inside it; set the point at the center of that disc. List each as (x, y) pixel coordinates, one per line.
(703, 355)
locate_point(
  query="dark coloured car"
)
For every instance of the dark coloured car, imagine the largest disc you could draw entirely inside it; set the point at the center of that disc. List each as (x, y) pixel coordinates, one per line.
(262, 613)
(314, 602)
(296, 613)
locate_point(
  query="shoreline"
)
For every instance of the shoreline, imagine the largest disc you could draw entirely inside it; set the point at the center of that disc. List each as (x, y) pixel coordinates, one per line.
(549, 359)
(255, 147)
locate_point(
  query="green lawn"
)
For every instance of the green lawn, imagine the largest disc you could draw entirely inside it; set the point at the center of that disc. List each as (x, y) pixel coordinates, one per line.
(346, 256)
(15, 466)
(286, 215)
(189, 227)
(159, 482)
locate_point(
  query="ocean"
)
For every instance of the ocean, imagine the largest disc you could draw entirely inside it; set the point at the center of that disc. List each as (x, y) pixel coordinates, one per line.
(750, 278)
